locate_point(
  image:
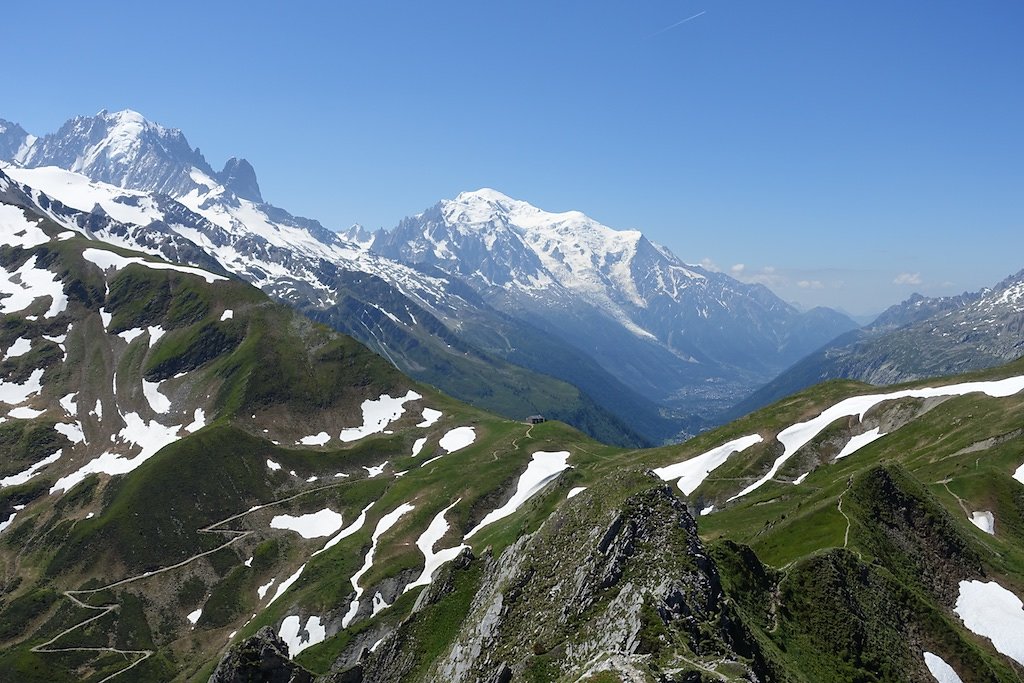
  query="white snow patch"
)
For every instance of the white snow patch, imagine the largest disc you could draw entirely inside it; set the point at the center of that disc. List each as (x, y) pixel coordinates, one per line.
(346, 532)
(313, 525)
(10, 521)
(98, 409)
(13, 393)
(32, 283)
(25, 413)
(106, 318)
(433, 560)
(385, 523)
(273, 465)
(262, 590)
(108, 259)
(692, 473)
(985, 521)
(799, 480)
(17, 230)
(21, 346)
(149, 436)
(73, 432)
(418, 446)
(543, 468)
(708, 510)
(379, 604)
(286, 584)
(198, 421)
(248, 563)
(155, 332)
(316, 440)
(25, 475)
(227, 315)
(457, 438)
(860, 441)
(991, 611)
(157, 401)
(129, 335)
(796, 436)
(378, 414)
(316, 633)
(193, 617)
(940, 671)
(575, 491)
(69, 405)
(376, 470)
(430, 416)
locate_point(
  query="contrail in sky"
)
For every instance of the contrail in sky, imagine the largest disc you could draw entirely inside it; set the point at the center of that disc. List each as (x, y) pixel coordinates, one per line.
(679, 23)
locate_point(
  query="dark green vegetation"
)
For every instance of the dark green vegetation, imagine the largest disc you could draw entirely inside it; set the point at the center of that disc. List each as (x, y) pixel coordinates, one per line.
(849, 575)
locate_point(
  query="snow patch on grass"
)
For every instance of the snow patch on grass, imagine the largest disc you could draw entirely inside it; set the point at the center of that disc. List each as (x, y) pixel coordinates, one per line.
(315, 633)
(25, 475)
(984, 520)
(316, 440)
(418, 446)
(18, 290)
(108, 259)
(796, 436)
(378, 414)
(457, 438)
(860, 441)
(313, 525)
(692, 473)
(20, 347)
(385, 523)
(428, 539)
(430, 416)
(544, 468)
(991, 611)
(575, 491)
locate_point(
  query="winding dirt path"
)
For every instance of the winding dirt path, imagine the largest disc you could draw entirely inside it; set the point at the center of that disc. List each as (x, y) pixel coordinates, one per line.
(103, 610)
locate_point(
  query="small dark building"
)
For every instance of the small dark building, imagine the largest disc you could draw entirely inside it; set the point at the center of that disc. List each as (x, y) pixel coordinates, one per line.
(535, 419)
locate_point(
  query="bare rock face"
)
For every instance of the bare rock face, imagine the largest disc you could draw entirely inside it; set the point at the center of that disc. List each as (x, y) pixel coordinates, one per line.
(617, 580)
(263, 658)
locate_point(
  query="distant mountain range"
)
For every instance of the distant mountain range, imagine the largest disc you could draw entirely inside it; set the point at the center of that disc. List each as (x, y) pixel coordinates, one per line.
(919, 338)
(489, 298)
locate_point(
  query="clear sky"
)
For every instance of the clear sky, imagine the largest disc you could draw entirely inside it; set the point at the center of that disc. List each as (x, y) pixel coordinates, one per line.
(845, 153)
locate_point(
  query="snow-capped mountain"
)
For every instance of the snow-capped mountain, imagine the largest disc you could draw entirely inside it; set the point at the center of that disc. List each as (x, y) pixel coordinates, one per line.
(404, 314)
(575, 276)
(453, 295)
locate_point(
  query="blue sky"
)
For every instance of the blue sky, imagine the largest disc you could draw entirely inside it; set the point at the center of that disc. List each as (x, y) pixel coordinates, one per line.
(843, 153)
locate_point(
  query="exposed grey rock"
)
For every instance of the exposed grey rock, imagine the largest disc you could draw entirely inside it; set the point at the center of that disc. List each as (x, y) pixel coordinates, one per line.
(261, 658)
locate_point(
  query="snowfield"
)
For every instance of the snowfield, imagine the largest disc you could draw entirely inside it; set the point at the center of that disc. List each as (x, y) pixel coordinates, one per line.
(378, 414)
(432, 560)
(457, 438)
(544, 468)
(940, 671)
(313, 525)
(993, 612)
(692, 473)
(985, 521)
(385, 523)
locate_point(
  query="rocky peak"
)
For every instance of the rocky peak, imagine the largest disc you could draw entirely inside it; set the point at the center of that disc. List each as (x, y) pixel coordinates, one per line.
(240, 177)
(263, 657)
(14, 141)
